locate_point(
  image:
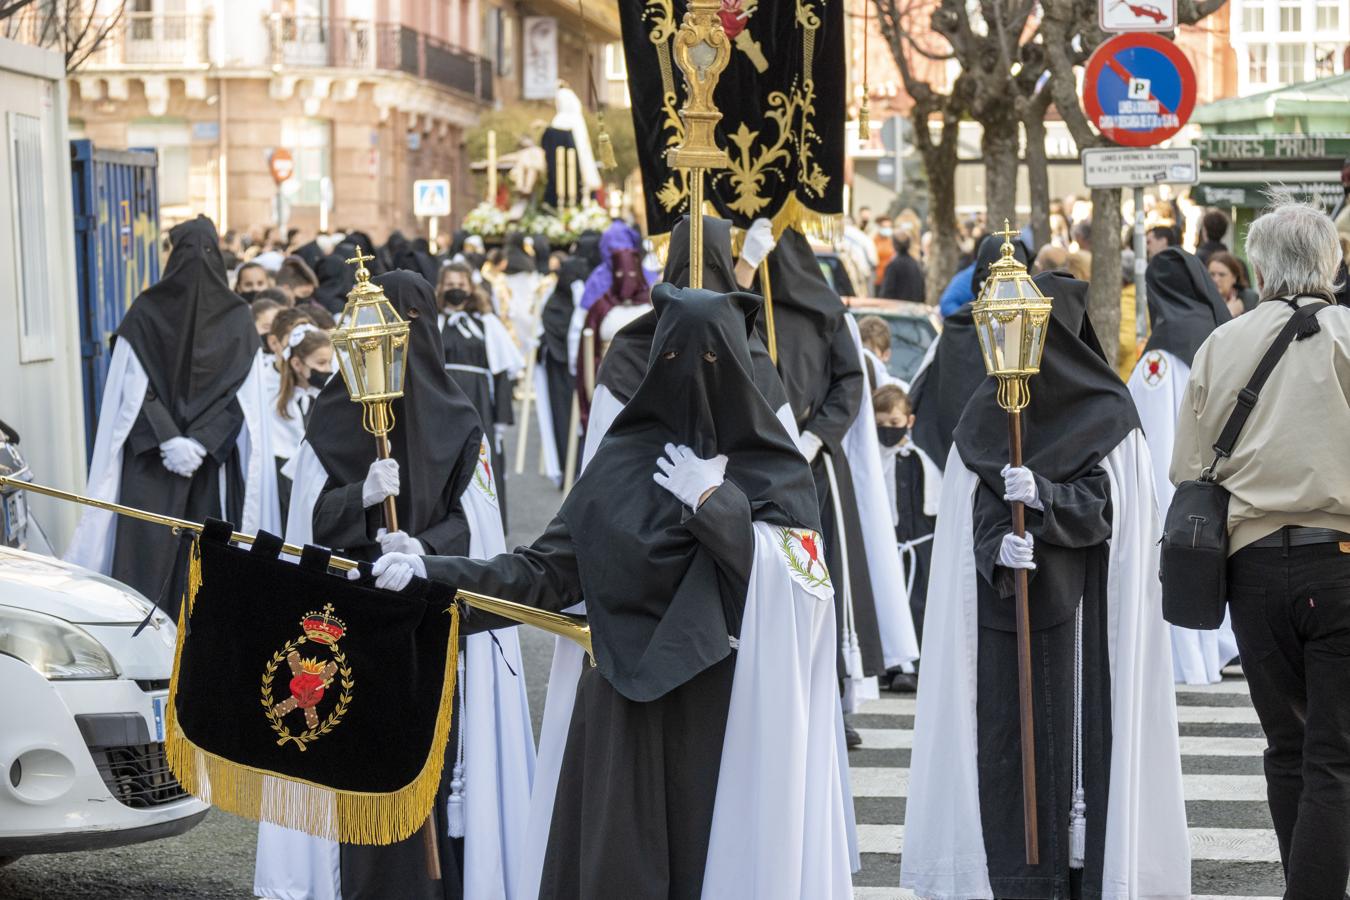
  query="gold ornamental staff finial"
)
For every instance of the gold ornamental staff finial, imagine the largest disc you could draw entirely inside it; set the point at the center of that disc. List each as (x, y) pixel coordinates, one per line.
(362, 273)
(702, 51)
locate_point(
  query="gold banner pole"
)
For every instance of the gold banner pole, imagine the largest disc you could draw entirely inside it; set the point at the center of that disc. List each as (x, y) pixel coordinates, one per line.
(702, 51)
(767, 290)
(574, 628)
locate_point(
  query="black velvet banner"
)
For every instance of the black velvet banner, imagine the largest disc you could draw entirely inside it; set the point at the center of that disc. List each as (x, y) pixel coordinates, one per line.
(287, 670)
(783, 104)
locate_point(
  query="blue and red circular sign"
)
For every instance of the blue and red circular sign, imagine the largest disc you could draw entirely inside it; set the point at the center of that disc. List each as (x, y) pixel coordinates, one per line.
(1139, 89)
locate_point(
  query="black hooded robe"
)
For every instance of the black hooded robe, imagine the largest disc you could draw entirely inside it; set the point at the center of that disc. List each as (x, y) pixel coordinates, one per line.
(914, 528)
(436, 440)
(555, 319)
(1079, 412)
(664, 588)
(195, 339)
(823, 376)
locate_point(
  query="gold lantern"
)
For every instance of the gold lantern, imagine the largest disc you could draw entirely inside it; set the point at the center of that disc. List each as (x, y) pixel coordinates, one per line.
(372, 354)
(1011, 316)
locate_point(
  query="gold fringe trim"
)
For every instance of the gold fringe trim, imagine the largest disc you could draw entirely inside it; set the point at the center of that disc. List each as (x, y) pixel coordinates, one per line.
(352, 817)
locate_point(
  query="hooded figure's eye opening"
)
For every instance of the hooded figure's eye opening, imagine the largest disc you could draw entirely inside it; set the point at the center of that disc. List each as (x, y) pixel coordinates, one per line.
(709, 356)
(670, 354)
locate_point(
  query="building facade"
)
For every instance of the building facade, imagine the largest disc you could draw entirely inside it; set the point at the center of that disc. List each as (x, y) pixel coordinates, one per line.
(1284, 42)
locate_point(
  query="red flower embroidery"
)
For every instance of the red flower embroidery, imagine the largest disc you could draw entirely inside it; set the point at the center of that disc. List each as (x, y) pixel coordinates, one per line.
(733, 20)
(808, 542)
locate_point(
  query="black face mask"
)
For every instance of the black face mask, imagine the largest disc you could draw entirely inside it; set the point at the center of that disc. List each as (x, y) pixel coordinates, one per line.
(318, 378)
(889, 435)
(262, 338)
(454, 297)
(249, 296)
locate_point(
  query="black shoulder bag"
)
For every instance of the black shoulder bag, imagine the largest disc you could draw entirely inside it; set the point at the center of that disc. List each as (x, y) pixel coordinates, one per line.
(1195, 530)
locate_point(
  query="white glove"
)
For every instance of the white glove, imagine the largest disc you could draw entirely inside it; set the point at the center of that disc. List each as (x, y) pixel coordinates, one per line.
(809, 445)
(759, 242)
(688, 477)
(498, 432)
(399, 542)
(1019, 486)
(381, 481)
(1015, 552)
(394, 571)
(182, 455)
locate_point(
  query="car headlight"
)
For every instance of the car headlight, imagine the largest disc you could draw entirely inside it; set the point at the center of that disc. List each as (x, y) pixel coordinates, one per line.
(54, 647)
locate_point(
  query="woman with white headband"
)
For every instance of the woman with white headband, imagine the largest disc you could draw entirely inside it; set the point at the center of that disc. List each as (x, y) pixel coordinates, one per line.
(306, 364)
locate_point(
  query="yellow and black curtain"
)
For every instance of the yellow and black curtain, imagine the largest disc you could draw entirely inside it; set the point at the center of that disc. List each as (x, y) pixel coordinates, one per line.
(782, 98)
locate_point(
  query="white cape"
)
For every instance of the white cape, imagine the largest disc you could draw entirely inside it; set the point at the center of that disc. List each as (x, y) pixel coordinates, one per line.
(498, 750)
(1147, 852)
(899, 643)
(92, 544)
(1157, 385)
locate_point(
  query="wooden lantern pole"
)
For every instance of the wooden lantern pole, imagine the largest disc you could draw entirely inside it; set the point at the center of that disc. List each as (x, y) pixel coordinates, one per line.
(1024, 689)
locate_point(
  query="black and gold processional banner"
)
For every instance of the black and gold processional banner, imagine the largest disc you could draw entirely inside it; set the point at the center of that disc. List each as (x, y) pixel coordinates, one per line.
(782, 98)
(306, 700)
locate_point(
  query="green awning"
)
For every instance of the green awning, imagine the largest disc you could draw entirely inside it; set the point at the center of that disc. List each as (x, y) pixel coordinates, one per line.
(1323, 97)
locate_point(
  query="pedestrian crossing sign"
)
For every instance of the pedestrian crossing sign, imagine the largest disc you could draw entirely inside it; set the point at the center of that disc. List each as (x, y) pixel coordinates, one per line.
(431, 197)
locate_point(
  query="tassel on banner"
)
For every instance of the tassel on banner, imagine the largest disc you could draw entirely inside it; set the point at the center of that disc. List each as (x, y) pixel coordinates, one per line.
(605, 147)
(1078, 831)
(864, 121)
(454, 807)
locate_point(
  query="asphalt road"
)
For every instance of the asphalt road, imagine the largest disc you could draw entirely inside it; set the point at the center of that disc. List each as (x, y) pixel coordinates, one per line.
(215, 859)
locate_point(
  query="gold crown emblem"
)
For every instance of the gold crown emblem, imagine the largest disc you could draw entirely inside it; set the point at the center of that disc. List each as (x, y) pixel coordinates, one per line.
(322, 627)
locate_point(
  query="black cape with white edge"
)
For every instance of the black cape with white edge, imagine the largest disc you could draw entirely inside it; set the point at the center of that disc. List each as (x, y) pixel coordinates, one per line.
(651, 588)
(436, 433)
(192, 334)
(1184, 306)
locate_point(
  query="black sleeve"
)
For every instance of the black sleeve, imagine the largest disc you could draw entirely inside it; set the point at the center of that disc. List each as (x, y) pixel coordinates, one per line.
(503, 413)
(722, 524)
(341, 520)
(543, 575)
(217, 428)
(832, 420)
(153, 426)
(449, 536)
(1077, 513)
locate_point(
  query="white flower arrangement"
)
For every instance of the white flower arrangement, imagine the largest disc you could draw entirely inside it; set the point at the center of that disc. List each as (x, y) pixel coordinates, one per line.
(486, 220)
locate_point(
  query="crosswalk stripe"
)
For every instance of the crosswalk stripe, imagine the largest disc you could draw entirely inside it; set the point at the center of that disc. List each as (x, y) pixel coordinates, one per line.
(895, 893)
(892, 781)
(904, 705)
(903, 739)
(1224, 844)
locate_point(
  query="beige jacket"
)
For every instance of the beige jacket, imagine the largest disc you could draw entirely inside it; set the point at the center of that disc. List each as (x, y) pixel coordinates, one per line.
(1291, 464)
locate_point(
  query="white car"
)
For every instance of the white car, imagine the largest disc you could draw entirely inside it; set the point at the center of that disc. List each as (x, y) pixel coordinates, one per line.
(82, 705)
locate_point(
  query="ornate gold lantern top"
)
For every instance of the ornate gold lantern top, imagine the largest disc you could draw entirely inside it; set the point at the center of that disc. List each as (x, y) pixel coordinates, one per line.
(371, 349)
(1011, 315)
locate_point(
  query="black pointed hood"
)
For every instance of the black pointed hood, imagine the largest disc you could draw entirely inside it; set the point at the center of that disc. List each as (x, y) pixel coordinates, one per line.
(1184, 306)
(193, 335)
(654, 587)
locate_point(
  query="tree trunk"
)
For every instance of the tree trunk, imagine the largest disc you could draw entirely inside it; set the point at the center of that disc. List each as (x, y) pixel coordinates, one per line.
(1104, 292)
(939, 160)
(999, 147)
(1038, 169)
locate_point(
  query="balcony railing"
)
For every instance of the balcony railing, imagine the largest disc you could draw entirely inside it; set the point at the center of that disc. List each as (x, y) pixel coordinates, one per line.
(135, 39)
(300, 41)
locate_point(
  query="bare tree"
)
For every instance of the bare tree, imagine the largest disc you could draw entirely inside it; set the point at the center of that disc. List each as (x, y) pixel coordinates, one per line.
(74, 28)
(1070, 34)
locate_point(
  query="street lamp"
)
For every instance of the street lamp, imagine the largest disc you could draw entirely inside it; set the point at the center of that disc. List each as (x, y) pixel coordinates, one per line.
(1011, 316)
(372, 354)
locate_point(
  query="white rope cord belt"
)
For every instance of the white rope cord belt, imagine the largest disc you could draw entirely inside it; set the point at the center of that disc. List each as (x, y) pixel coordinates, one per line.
(909, 556)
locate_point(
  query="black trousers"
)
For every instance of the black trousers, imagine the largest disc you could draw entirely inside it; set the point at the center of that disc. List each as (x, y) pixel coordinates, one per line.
(1291, 614)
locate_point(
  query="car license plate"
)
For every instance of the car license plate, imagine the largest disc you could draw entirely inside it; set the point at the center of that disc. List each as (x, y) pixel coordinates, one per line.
(159, 702)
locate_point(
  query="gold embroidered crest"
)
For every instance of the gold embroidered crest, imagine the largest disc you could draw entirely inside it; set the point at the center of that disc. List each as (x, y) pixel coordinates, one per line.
(311, 679)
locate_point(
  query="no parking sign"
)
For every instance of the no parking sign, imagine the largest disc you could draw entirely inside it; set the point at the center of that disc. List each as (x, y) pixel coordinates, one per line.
(1139, 89)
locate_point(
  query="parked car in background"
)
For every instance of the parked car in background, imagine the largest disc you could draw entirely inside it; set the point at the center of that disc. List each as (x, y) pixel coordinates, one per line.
(839, 270)
(85, 663)
(913, 327)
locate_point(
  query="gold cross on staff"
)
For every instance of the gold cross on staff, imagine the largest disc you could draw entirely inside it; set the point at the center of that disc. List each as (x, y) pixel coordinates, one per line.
(1007, 233)
(359, 259)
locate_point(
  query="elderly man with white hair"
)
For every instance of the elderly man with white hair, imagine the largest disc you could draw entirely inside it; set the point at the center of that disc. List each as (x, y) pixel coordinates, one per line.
(1289, 532)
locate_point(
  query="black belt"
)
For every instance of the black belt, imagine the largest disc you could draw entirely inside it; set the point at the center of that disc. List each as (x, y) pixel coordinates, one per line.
(1295, 536)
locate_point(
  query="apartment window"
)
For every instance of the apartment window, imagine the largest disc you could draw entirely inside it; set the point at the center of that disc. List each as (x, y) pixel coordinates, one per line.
(1328, 15)
(1257, 71)
(616, 66)
(172, 139)
(1292, 63)
(1325, 57)
(309, 141)
(1254, 16)
(1291, 16)
(30, 223)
